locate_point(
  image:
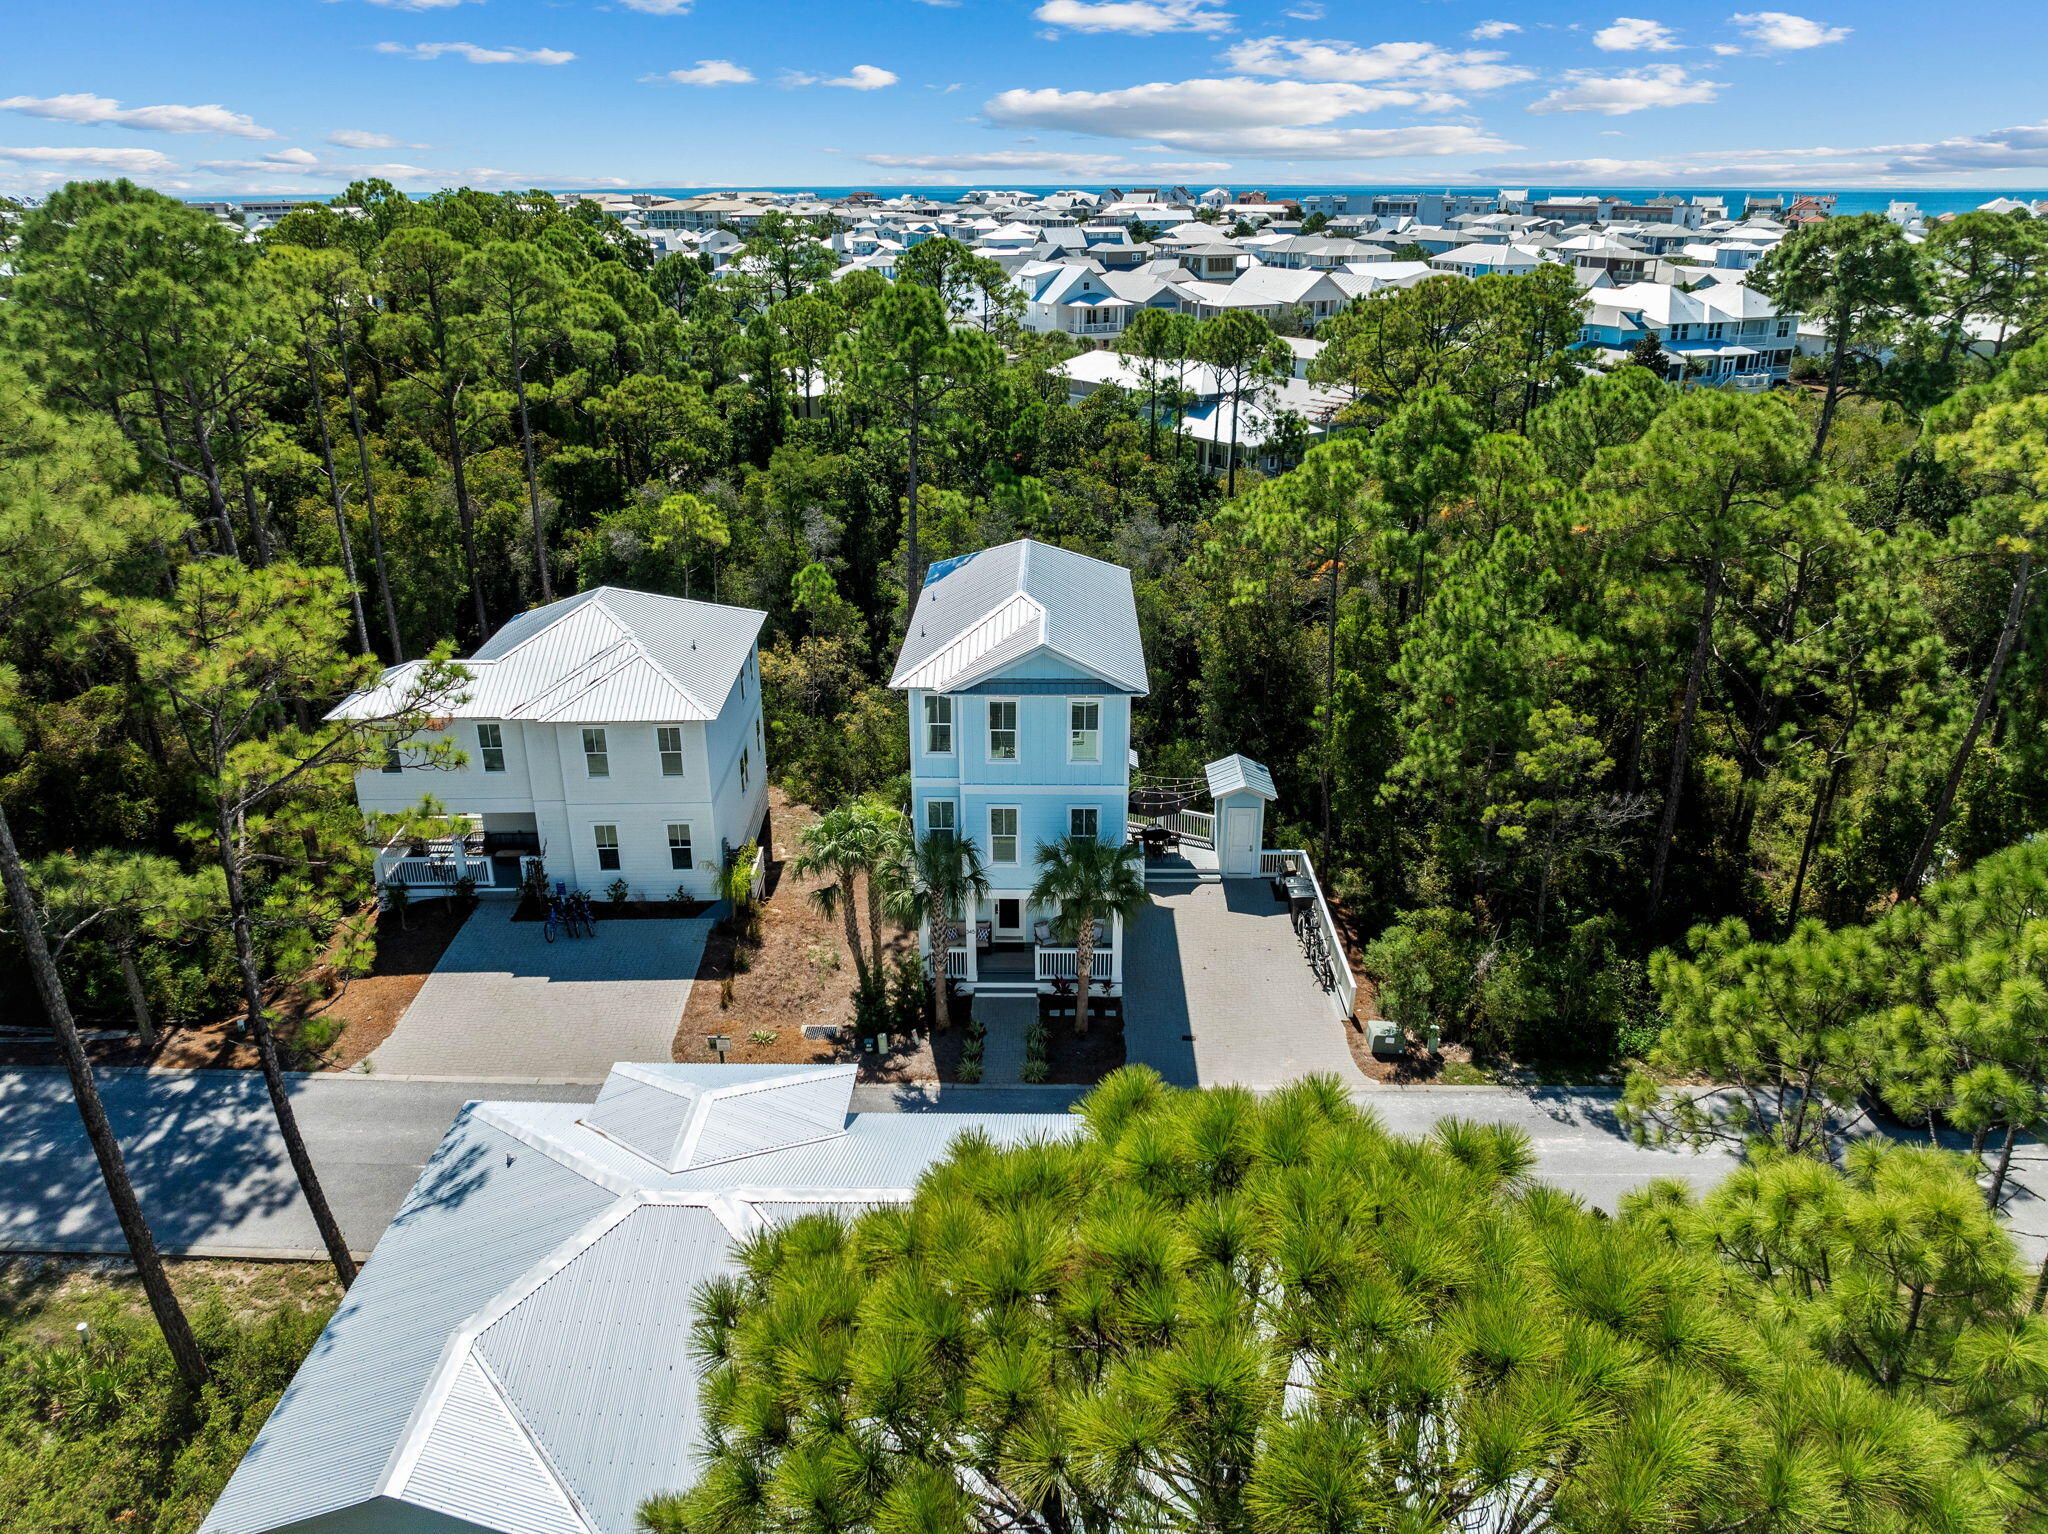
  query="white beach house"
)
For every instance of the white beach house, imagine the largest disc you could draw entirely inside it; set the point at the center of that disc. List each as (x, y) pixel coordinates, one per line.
(613, 734)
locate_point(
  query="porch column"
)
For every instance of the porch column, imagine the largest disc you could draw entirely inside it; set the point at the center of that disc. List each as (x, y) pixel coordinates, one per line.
(968, 918)
(459, 835)
(1116, 953)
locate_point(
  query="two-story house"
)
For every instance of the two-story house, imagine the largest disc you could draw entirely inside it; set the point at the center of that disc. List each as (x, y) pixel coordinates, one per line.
(1020, 667)
(613, 734)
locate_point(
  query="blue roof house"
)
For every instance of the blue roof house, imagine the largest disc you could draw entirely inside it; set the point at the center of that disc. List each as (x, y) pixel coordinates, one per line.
(1020, 668)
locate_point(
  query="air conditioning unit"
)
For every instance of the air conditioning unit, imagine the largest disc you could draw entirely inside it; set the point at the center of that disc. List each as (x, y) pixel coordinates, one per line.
(1386, 1038)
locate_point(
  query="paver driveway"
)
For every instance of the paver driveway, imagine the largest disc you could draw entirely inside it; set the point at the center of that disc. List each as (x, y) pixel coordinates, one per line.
(504, 1003)
(1218, 959)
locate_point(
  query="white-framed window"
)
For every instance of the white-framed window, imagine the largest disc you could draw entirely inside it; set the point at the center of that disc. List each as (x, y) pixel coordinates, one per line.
(1002, 833)
(938, 724)
(745, 767)
(679, 847)
(1002, 729)
(607, 839)
(1084, 820)
(941, 817)
(1784, 327)
(490, 745)
(597, 757)
(1084, 730)
(668, 740)
(1681, 332)
(1714, 332)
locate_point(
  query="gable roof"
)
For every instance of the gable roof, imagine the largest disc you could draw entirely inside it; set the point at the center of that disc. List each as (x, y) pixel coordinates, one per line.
(981, 612)
(517, 1353)
(602, 656)
(1235, 774)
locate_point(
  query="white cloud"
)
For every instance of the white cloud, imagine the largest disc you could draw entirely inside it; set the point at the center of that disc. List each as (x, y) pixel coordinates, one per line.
(126, 162)
(659, 7)
(864, 77)
(1782, 31)
(419, 5)
(1140, 18)
(1726, 50)
(1162, 107)
(1381, 63)
(477, 55)
(1632, 34)
(1984, 159)
(1486, 31)
(1665, 85)
(360, 138)
(1051, 162)
(711, 72)
(1311, 11)
(81, 107)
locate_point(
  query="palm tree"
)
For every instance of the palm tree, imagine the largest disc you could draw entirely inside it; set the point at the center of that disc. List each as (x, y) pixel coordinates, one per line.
(854, 845)
(935, 880)
(1087, 881)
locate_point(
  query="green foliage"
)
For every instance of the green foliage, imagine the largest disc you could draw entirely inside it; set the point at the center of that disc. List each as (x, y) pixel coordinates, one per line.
(98, 1433)
(1213, 1311)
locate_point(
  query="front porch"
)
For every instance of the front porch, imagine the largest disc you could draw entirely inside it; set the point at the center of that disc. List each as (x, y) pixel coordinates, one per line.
(476, 848)
(1000, 959)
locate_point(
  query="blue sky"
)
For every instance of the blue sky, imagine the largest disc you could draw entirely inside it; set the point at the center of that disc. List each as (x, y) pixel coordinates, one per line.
(221, 96)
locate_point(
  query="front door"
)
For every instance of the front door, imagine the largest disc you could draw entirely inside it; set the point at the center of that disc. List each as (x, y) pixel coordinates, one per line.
(1241, 841)
(1009, 921)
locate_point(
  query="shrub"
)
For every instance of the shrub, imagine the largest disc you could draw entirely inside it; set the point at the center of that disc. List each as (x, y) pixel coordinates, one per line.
(618, 892)
(1033, 1072)
(1423, 965)
(762, 1036)
(969, 1071)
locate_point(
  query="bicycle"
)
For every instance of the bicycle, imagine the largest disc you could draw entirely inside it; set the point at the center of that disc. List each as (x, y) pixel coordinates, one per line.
(549, 923)
(584, 912)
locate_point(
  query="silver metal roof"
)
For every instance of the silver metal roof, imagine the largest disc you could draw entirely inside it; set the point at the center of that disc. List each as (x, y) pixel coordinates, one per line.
(984, 611)
(1239, 774)
(601, 656)
(515, 1355)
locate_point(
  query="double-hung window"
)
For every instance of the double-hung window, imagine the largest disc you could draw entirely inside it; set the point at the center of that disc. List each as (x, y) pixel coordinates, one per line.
(1084, 730)
(607, 839)
(1002, 730)
(490, 745)
(938, 817)
(1002, 834)
(745, 767)
(1084, 820)
(597, 758)
(668, 740)
(679, 847)
(938, 724)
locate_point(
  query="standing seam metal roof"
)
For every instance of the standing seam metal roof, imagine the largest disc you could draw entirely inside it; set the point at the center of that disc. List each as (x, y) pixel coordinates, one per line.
(516, 1354)
(983, 611)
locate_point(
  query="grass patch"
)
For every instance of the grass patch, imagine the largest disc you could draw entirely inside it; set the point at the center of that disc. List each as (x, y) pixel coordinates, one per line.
(97, 1433)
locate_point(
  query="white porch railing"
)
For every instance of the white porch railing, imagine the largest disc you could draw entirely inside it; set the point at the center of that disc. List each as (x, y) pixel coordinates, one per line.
(956, 963)
(1273, 860)
(1064, 964)
(433, 870)
(1193, 825)
(1097, 330)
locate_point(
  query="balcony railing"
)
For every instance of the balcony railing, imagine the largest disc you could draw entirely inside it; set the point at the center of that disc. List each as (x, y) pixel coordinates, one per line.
(1110, 328)
(1064, 964)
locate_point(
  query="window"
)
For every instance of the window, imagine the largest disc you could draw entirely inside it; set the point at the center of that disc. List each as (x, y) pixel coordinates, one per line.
(939, 817)
(597, 761)
(745, 666)
(490, 744)
(1002, 730)
(1002, 834)
(393, 762)
(1084, 820)
(1084, 730)
(743, 771)
(679, 847)
(1714, 332)
(668, 740)
(938, 724)
(1784, 327)
(607, 839)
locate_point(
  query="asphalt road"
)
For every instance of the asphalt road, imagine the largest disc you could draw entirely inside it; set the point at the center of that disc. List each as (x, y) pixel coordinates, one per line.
(214, 1179)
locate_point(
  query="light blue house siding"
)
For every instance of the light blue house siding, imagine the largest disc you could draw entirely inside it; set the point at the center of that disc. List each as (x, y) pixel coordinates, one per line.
(1044, 784)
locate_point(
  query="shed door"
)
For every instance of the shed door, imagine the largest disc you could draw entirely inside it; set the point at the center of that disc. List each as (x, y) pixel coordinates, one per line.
(1241, 836)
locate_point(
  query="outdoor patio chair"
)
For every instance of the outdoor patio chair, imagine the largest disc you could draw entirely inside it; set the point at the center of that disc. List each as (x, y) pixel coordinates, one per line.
(1041, 932)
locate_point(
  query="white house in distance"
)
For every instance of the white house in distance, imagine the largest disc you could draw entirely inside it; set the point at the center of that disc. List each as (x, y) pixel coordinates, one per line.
(1019, 668)
(613, 734)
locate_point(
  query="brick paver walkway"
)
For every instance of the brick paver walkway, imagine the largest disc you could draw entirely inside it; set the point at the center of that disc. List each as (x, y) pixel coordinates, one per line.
(504, 1002)
(1004, 1021)
(1217, 958)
